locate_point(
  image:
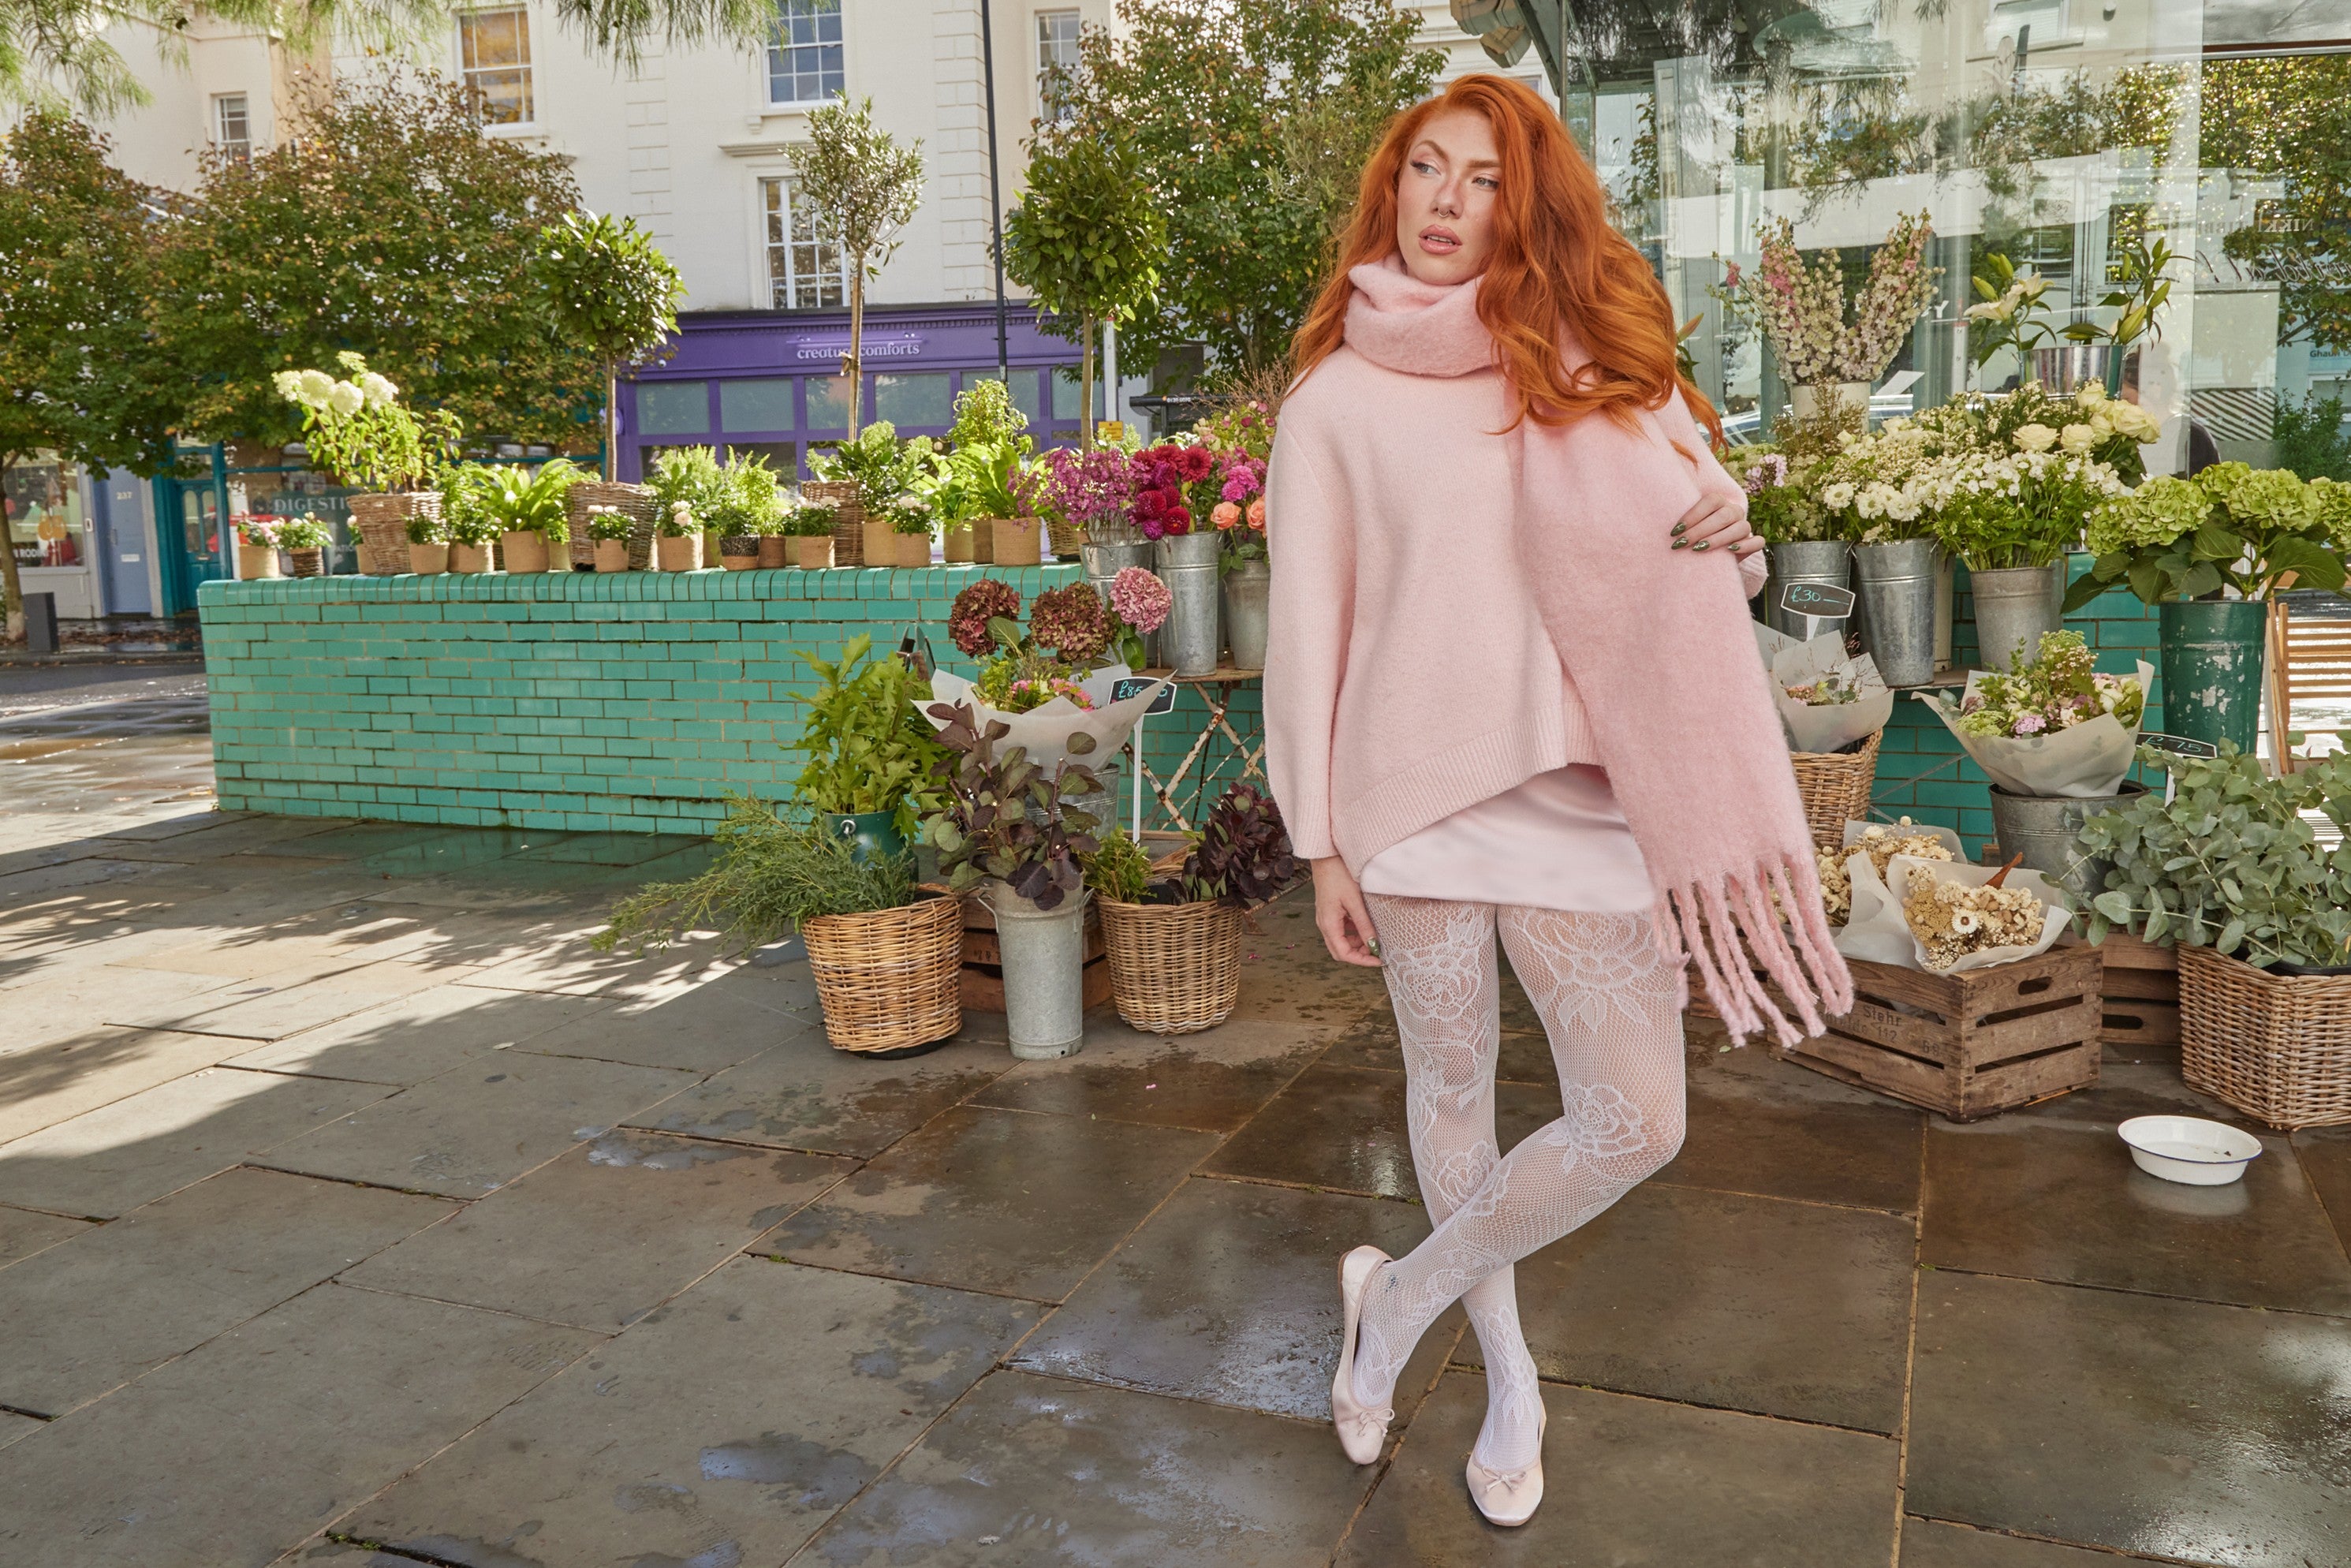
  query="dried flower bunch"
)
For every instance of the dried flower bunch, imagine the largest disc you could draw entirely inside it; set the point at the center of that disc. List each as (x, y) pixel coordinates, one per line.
(2059, 689)
(1830, 692)
(1951, 920)
(1801, 308)
(1881, 843)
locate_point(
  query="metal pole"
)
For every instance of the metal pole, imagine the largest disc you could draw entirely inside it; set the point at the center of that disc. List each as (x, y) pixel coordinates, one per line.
(995, 189)
(1110, 369)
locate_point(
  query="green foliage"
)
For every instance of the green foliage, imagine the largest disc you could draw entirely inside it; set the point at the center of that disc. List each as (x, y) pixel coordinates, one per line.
(1252, 123)
(984, 827)
(869, 747)
(609, 523)
(984, 413)
(609, 287)
(464, 505)
(519, 501)
(1086, 239)
(1118, 868)
(426, 529)
(2229, 526)
(812, 519)
(2311, 439)
(884, 468)
(2289, 118)
(689, 476)
(1243, 855)
(863, 187)
(748, 501)
(2228, 862)
(304, 532)
(354, 429)
(769, 877)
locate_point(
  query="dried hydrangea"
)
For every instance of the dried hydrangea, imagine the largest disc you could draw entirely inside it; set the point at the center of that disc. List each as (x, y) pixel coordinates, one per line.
(1072, 621)
(1881, 843)
(988, 599)
(1138, 598)
(1952, 920)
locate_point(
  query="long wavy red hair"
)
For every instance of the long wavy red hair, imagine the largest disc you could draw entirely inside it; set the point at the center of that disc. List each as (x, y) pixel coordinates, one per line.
(1558, 268)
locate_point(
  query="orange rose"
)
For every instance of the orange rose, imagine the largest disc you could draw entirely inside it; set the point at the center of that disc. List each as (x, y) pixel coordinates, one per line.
(1257, 514)
(1226, 514)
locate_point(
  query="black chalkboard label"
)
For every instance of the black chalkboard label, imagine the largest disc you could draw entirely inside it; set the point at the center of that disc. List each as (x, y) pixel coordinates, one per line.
(1135, 685)
(2178, 745)
(1821, 601)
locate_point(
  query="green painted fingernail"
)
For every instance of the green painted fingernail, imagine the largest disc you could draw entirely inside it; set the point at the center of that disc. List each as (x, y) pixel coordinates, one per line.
(1681, 544)
(1680, 529)
(1701, 544)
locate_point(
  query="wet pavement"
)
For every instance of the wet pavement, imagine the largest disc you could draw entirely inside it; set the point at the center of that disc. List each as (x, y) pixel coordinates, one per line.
(353, 1212)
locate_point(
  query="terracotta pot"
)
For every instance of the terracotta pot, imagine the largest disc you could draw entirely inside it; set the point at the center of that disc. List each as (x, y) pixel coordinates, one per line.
(681, 554)
(472, 558)
(611, 555)
(428, 560)
(1019, 541)
(813, 551)
(960, 545)
(308, 562)
(915, 550)
(255, 561)
(524, 551)
(775, 551)
(880, 543)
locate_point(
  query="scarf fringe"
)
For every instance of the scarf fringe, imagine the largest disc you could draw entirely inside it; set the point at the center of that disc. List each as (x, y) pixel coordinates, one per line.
(1717, 921)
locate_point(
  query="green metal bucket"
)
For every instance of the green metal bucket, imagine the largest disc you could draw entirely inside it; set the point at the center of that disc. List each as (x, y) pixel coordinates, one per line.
(2212, 669)
(871, 833)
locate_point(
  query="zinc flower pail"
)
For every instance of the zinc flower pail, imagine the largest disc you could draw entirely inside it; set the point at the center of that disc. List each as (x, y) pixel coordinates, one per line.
(1190, 639)
(1246, 589)
(1104, 562)
(1895, 585)
(2014, 605)
(1044, 955)
(1824, 561)
(2044, 831)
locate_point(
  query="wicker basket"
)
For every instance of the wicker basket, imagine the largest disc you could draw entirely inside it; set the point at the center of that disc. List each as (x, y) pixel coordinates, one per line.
(2277, 1047)
(634, 502)
(891, 980)
(1175, 969)
(848, 518)
(1835, 785)
(1065, 539)
(383, 525)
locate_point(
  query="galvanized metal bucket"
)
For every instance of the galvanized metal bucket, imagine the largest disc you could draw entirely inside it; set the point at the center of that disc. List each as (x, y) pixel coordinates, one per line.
(1826, 561)
(2064, 368)
(2046, 831)
(1189, 639)
(1246, 588)
(2014, 606)
(1104, 562)
(2212, 651)
(1895, 585)
(1044, 958)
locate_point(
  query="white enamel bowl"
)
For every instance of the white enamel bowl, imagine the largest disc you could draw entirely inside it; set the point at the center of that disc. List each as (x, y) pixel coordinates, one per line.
(2188, 1149)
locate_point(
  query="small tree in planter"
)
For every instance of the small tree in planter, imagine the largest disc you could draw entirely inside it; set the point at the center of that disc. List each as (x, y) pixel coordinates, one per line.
(861, 187)
(612, 292)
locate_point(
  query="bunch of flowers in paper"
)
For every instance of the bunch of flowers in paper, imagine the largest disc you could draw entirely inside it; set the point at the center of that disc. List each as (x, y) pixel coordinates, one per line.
(1801, 308)
(1000, 687)
(2059, 689)
(1952, 919)
(1880, 844)
(1068, 631)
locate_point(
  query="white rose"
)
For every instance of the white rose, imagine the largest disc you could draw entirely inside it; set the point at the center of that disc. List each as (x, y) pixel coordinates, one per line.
(2134, 422)
(2077, 438)
(2035, 437)
(2090, 394)
(377, 389)
(346, 399)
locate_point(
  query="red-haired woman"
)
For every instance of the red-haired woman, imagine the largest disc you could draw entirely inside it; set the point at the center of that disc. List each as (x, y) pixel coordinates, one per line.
(1512, 686)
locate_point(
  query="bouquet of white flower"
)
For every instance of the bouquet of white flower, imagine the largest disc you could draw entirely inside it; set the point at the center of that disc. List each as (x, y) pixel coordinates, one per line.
(2054, 727)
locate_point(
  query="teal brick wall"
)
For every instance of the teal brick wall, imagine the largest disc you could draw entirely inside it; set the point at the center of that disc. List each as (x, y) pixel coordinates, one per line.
(632, 701)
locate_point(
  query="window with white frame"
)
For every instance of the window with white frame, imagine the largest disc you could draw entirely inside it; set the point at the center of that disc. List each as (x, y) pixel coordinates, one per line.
(232, 125)
(804, 52)
(804, 271)
(1057, 61)
(494, 50)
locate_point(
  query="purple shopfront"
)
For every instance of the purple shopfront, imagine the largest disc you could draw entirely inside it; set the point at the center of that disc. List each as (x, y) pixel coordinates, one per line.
(770, 381)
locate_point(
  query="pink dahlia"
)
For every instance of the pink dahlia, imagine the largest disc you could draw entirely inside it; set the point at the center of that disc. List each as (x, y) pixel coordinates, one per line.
(1140, 599)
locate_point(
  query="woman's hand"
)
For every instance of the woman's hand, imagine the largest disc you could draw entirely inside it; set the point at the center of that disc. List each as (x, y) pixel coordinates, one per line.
(1716, 522)
(1341, 917)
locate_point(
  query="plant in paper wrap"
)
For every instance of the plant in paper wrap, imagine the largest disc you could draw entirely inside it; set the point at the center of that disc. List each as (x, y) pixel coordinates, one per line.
(2053, 726)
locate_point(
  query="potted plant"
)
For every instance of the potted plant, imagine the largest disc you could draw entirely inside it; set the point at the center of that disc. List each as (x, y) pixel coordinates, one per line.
(1003, 828)
(2011, 517)
(1174, 943)
(354, 429)
(1164, 512)
(2208, 553)
(910, 522)
(608, 529)
(886, 955)
(749, 504)
(466, 515)
(885, 470)
(809, 524)
(1801, 309)
(2231, 870)
(870, 752)
(1241, 559)
(256, 545)
(428, 544)
(306, 540)
(986, 450)
(2007, 315)
(528, 513)
(688, 485)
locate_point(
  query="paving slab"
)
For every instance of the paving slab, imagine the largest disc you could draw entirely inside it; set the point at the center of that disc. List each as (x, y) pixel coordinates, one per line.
(1229, 1293)
(81, 1071)
(2180, 1429)
(22, 1233)
(47, 880)
(96, 1311)
(234, 835)
(1634, 1483)
(804, 1094)
(471, 1132)
(65, 1004)
(2055, 1197)
(109, 1161)
(1032, 1470)
(419, 1036)
(608, 1232)
(1928, 1543)
(331, 1396)
(726, 1427)
(1777, 1129)
(1785, 1308)
(263, 1010)
(15, 1427)
(704, 1029)
(1007, 1201)
(1213, 1082)
(1343, 1128)
(1286, 974)
(1372, 1041)
(574, 969)
(2326, 1155)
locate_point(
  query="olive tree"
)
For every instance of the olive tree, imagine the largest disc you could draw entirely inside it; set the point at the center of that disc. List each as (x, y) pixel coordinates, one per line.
(610, 290)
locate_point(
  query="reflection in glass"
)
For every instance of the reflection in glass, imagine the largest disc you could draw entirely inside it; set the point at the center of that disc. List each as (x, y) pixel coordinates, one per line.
(764, 405)
(917, 400)
(673, 408)
(828, 402)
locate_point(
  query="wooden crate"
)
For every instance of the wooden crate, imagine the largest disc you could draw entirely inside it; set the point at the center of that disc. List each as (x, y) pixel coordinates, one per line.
(983, 964)
(2142, 992)
(1971, 1044)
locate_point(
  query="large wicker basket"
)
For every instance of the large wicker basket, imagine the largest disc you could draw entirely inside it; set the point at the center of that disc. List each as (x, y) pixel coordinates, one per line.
(890, 981)
(1065, 539)
(2277, 1047)
(635, 502)
(1175, 969)
(848, 519)
(382, 522)
(1835, 785)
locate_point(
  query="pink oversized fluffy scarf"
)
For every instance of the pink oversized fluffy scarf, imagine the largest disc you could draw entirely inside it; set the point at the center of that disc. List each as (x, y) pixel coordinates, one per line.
(1660, 650)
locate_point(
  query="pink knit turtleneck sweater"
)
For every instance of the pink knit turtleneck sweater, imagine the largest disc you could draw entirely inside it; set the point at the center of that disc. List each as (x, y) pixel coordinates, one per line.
(1407, 674)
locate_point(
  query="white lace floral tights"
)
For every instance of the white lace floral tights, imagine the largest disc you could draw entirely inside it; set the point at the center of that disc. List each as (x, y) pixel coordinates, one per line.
(1610, 1004)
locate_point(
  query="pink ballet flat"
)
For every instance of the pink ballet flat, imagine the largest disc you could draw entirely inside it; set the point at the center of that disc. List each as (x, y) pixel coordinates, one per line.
(1362, 1431)
(1510, 1497)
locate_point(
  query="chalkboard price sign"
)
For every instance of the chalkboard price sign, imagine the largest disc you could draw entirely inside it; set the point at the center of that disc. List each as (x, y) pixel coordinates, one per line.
(1135, 685)
(2178, 745)
(1821, 601)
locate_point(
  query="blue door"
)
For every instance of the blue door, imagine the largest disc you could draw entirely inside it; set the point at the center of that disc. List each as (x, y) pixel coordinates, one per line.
(124, 544)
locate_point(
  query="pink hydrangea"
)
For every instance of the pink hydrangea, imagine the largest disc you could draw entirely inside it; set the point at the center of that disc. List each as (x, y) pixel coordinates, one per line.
(1140, 599)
